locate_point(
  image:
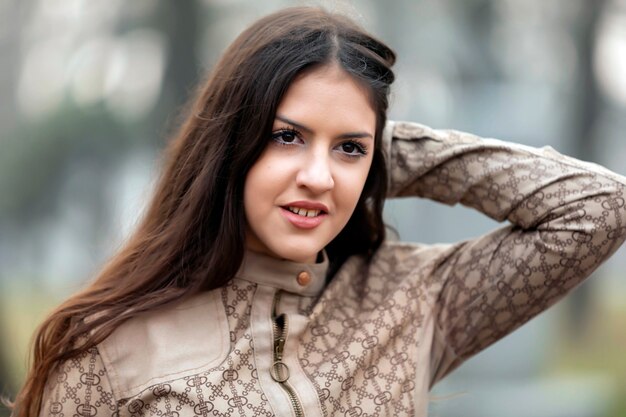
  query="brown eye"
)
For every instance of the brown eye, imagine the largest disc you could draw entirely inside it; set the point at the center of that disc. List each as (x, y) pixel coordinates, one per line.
(288, 136)
(349, 147)
(353, 149)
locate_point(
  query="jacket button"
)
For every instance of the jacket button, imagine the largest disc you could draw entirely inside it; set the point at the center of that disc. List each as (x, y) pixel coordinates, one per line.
(304, 278)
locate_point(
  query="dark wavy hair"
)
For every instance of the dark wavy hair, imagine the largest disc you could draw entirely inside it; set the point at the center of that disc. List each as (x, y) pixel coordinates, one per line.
(192, 235)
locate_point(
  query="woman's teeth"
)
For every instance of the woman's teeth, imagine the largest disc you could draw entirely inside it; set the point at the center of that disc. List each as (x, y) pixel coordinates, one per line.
(304, 212)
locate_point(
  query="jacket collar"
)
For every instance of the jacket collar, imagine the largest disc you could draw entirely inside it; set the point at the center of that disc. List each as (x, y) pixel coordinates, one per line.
(299, 278)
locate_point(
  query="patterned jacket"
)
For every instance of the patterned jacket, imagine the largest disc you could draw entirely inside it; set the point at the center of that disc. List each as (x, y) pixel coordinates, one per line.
(278, 340)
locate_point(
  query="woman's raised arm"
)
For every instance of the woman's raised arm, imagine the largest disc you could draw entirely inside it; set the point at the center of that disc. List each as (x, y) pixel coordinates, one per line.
(566, 218)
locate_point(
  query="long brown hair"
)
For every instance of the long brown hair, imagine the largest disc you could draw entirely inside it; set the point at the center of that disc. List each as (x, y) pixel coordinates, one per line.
(191, 237)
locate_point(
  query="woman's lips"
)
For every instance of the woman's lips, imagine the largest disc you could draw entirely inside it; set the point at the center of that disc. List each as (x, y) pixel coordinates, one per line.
(303, 222)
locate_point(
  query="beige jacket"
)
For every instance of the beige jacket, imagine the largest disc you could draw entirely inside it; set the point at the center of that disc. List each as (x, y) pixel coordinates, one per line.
(278, 341)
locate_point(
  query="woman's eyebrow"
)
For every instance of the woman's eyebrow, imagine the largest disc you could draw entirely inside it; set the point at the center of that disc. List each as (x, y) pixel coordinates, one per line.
(300, 126)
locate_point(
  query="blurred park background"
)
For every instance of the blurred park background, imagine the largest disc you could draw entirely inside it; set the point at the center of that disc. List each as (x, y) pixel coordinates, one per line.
(91, 90)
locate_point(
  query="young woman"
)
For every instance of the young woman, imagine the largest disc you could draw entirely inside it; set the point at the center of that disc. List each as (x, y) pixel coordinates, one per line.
(260, 282)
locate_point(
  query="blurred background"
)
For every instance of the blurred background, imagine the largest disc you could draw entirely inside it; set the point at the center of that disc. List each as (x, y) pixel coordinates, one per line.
(91, 90)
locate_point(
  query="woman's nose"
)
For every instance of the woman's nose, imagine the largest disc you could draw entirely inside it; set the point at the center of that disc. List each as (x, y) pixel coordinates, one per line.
(315, 174)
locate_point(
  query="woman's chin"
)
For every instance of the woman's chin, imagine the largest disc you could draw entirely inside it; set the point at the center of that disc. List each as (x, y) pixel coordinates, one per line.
(303, 258)
(299, 254)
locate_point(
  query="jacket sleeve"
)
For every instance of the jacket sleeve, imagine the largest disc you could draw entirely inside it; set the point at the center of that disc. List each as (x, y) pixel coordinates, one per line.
(565, 218)
(80, 386)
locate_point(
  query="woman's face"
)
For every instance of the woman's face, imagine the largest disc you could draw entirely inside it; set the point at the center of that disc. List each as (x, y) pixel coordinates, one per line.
(302, 190)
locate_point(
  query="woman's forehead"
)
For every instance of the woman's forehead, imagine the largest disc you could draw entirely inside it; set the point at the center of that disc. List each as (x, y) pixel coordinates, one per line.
(328, 95)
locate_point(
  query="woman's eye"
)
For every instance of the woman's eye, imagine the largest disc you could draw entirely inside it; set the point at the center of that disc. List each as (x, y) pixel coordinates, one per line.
(288, 137)
(285, 136)
(353, 149)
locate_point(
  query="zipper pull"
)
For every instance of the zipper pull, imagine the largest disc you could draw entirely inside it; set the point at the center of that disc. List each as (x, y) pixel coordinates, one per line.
(279, 371)
(280, 346)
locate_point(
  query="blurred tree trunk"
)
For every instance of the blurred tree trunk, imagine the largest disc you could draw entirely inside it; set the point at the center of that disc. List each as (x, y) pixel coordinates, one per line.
(180, 23)
(589, 101)
(588, 108)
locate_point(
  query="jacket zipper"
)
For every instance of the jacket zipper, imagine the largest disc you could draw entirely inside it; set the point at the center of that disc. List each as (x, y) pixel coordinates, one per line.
(280, 370)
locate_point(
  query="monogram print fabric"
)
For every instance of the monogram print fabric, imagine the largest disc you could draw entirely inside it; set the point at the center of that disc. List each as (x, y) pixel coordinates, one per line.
(376, 338)
(363, 345)
(566, 218)
(80, 387)
(231, 388)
